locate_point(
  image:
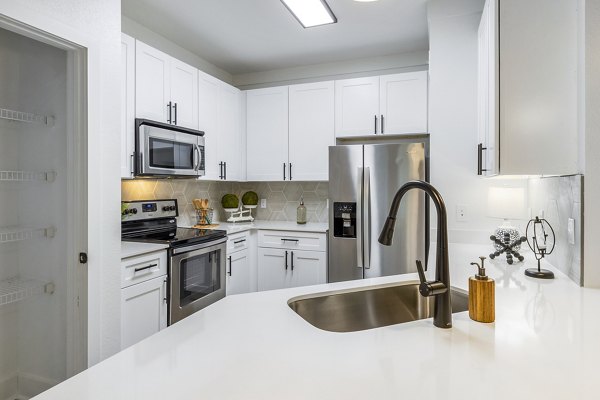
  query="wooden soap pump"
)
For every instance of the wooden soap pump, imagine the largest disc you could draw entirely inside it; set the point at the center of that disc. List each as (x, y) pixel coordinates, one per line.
(481, 295)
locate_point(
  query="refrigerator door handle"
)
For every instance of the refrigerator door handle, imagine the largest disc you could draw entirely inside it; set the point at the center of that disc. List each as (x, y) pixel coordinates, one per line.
(367, 217)
(359, 221)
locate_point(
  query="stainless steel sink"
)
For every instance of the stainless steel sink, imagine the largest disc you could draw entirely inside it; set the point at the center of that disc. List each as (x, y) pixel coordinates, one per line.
(371, 307)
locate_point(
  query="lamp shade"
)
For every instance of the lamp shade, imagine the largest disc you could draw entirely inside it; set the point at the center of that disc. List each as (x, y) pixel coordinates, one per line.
(506, 202)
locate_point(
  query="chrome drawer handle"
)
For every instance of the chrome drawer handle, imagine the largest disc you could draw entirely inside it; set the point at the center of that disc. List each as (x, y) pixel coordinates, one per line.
(290, 240)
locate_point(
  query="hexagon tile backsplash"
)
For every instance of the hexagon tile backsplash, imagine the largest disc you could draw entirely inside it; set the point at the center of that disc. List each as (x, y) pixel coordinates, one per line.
(282, 197)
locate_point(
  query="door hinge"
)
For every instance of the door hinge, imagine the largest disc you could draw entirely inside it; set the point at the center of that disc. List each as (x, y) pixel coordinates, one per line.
(83, 258)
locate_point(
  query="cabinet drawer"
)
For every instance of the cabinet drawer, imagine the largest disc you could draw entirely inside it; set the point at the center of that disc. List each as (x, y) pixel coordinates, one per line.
(292, 240)
(142, 268)
(237, 242)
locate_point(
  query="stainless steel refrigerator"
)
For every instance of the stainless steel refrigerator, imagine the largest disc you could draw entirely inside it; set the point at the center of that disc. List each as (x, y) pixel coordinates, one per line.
(363, 179)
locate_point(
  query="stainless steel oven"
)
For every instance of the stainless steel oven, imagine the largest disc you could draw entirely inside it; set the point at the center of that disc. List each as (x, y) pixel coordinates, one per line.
(164, 150)
(196, 276)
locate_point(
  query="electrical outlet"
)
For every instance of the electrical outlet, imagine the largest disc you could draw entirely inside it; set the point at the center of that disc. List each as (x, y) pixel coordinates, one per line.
(461, 213)
(263, 203)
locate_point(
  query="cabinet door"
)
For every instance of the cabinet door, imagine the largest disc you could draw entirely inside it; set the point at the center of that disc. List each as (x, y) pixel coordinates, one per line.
(143, 310)
(487, 111)
(127, 105)
(357, 107)
(267, 134)
(311, 130)
(307, 268)
(152, 83)
(238, 273)
(273, 267)
(403, 103)
(184, 94)
(208, 97)
(230, 147)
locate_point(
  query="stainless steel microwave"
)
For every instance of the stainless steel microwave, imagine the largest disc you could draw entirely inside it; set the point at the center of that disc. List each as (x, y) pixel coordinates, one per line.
(163, 150)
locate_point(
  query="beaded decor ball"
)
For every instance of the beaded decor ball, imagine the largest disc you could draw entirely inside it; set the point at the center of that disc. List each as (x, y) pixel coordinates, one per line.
(513, 235)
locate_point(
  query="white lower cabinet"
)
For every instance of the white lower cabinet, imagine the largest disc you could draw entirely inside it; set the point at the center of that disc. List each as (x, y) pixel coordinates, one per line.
(143, 310)
(143, 296)
(238, 273)
(288, 267)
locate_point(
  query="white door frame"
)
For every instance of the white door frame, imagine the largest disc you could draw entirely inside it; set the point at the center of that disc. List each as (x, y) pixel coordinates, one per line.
(77, 189)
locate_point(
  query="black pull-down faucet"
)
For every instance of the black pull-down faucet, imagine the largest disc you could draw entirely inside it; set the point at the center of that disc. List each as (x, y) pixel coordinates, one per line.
(440, 288)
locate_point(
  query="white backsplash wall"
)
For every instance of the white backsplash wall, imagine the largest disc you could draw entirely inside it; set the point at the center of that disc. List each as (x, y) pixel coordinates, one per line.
(283, 198)
(560, 198)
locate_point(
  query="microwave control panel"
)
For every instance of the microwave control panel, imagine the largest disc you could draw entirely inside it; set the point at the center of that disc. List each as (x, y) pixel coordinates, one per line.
(148, 209)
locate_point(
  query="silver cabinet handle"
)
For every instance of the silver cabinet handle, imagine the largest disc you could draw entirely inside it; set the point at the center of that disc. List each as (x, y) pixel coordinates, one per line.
(375, 129)
(382, 126)
(239, 241)
(284, 171)
(132, 161)
(170, 111)
(286, 260)
(221, 170)
(229, 273)
(290, 171)
(289, 240)
(480, 149)
(225, 170)
(292, 260)
(165, 290)
(175, 108)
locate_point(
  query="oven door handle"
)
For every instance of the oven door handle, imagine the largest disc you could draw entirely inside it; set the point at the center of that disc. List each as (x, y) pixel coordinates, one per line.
(206, 245)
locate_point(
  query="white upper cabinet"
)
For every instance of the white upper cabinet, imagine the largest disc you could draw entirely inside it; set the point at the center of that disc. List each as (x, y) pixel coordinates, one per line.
(184, 94)
(528, 88)
(387, 104)
(166, 88)
(208, 97)
(403, 103)
(127, 105)
(311, 130)
(357, 106)
(230, 133)
(267, 134)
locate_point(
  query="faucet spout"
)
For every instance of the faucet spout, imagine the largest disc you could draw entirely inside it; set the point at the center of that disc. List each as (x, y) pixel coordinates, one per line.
(440, 288)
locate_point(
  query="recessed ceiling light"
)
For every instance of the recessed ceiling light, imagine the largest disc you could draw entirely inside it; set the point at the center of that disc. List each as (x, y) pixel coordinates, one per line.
(310, 12)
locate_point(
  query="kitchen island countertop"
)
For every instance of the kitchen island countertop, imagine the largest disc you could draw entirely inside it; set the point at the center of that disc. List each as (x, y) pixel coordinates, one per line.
(545, 344)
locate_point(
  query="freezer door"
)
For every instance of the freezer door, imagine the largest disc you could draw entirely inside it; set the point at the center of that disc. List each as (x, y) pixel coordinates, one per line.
(386, 168)
(345, 187)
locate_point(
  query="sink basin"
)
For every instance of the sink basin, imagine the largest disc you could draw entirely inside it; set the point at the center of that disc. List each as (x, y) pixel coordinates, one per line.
(370, 307)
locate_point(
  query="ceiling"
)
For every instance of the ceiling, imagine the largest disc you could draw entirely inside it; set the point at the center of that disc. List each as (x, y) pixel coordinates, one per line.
(244, 36)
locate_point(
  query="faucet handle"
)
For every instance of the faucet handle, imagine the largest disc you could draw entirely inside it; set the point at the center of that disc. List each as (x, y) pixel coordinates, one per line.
(427, 288)
(421, 272)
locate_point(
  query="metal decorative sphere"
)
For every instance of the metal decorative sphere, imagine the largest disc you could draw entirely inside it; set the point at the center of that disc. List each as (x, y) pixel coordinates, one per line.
(502, 232)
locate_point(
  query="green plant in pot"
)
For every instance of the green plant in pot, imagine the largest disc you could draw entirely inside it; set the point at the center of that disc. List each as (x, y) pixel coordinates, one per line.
(230, 202)
(250, 199)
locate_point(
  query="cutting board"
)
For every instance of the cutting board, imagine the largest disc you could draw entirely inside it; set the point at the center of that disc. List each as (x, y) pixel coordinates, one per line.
(213, 226)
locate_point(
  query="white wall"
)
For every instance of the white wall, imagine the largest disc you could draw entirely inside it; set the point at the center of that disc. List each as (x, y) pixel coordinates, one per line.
(96, 25)
(592, 144)
(140, 32)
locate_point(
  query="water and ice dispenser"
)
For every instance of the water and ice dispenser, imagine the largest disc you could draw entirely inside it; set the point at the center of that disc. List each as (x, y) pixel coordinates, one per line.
(344, 220)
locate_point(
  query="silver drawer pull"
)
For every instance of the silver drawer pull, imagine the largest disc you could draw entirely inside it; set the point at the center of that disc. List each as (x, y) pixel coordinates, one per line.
(145, 268)
(239, 241)
(290, 240)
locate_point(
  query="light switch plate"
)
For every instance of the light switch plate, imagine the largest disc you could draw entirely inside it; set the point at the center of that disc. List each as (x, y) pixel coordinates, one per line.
(571, 230)
(461, 213)
(263, 203)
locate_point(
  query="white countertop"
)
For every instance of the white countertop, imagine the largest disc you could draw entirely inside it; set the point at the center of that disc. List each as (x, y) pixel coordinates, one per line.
(131, 249)
(274, 225)
(545, 344)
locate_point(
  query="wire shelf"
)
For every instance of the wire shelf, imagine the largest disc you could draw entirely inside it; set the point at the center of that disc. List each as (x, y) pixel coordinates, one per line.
(8, 235)
(17, 289)
(26, 117)
(27, 176)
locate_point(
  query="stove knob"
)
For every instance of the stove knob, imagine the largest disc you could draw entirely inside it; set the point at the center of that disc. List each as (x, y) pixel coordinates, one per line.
(134, 211)
(125, 212)
(165, 208)
(172, 208)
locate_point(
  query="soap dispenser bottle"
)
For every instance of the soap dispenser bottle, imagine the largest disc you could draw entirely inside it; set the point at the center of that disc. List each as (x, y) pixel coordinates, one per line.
(481, 295)
(301, 212)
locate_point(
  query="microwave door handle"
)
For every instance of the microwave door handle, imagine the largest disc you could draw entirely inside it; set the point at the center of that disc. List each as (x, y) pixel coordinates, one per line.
(196, 160)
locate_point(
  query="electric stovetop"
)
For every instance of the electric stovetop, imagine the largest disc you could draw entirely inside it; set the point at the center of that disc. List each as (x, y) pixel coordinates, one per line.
(176, 237)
